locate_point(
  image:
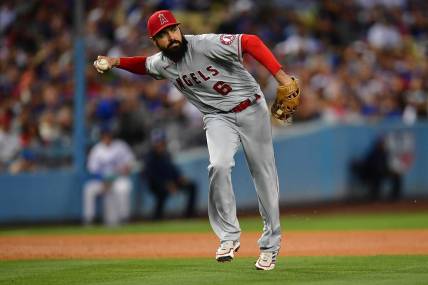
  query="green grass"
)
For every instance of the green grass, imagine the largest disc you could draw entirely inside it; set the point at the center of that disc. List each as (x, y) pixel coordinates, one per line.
(290, 270)
(383, 221)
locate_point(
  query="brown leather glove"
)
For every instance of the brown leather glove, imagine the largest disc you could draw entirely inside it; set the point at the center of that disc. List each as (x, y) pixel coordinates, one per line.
(286, 101)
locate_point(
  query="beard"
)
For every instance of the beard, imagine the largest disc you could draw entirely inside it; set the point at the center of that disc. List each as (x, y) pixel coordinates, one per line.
(175, 53)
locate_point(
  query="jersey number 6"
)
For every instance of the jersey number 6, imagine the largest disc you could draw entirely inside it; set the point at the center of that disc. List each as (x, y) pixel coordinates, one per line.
(222, 88)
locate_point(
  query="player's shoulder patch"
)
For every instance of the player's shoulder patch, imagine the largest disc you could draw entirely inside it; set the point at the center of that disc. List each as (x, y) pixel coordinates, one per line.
(227, 39)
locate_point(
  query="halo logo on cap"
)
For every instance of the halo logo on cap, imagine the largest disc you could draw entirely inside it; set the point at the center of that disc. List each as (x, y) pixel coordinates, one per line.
(162, 19)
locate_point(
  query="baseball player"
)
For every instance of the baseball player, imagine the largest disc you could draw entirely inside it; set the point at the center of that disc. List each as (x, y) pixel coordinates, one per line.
(110, 162)
(208, 69)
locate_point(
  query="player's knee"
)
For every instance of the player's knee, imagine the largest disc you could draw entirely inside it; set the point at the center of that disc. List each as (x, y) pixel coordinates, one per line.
(220, 167)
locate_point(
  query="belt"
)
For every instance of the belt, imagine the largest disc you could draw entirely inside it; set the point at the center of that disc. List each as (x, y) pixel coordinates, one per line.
(243, 105)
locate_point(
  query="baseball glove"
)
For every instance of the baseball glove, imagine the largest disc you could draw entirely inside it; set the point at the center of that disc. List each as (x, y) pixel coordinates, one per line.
(286, 101)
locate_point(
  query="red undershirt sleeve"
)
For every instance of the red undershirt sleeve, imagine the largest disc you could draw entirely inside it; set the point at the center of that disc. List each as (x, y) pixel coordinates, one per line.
(135, 64)
(254, 46)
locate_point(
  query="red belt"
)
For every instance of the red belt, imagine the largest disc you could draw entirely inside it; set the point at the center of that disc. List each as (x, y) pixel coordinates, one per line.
(245, 104)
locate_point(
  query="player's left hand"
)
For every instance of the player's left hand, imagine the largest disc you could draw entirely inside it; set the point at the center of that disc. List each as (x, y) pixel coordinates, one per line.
(286, 101)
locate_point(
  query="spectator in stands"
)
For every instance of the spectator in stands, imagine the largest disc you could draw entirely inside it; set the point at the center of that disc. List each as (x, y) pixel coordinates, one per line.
(384, 35)
(110, 163)
(322, 42)
(9, 143)
(134, 121)
(164, 177)
(388, 159)
(26, 162)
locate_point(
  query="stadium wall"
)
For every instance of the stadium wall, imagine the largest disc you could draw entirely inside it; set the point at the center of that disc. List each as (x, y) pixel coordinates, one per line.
(312, 160)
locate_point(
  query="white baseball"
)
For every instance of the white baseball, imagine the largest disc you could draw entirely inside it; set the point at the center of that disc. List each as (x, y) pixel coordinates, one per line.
(103, 64)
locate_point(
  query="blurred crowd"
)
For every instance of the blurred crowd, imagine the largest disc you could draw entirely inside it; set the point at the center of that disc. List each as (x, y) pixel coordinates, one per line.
(356, 60)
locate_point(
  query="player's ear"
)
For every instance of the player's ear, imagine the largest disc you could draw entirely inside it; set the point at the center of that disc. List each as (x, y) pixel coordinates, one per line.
(154, 41)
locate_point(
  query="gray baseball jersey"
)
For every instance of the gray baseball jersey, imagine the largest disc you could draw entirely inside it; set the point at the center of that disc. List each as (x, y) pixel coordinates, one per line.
(212, 76)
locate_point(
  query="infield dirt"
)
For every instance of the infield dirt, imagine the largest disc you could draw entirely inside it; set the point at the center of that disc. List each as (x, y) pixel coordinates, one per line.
(182, 245)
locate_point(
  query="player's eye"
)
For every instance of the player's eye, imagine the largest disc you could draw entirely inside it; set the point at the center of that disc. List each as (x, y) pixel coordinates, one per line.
(172, 29)
(160, 35)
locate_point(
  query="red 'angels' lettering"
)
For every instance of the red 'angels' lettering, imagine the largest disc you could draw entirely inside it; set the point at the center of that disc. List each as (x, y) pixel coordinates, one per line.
(195, 77)
(188, 82)
(213, 71)
(205, 78)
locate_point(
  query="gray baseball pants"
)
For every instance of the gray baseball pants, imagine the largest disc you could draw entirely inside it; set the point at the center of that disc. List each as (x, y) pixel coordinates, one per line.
(250, 128)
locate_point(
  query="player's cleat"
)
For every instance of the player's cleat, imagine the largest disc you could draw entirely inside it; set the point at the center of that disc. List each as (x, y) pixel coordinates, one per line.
(226, 251)
(267, 260)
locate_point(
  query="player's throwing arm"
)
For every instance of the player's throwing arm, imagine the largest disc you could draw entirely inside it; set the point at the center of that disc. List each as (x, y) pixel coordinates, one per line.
(104, 63)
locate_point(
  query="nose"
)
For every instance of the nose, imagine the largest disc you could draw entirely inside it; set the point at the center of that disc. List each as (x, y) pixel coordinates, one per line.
(171, 36)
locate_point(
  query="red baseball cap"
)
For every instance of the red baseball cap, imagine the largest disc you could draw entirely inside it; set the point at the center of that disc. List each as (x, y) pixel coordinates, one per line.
(159, 21)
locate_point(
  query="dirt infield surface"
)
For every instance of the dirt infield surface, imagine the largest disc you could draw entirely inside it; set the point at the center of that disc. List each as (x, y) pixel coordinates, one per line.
(149, 245)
